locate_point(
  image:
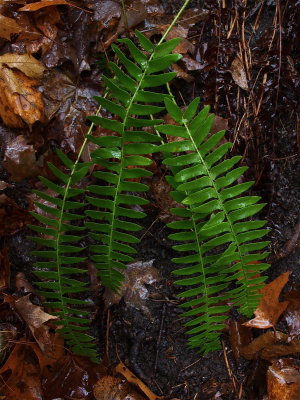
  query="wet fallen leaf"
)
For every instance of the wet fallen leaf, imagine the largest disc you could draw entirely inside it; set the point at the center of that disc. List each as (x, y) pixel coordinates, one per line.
(239, 336)
(12, 217)
(21, 375)
(22, 284)
(292, 312)
(112, 388)
(8, 27)
(213, 389)
(72, 377)
(8, 334)
(284, 380)
(123, 370)
(270, 345)
(19, 100)
(45, 3)
(238, 73)
(133, 289)
(270, 309)
(163, 200)
(20, 159)
(5, 269)
(39, 31)
(26, 63)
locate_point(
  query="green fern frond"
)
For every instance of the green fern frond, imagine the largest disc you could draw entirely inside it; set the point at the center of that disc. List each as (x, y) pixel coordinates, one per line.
(223, 245)
(123, 156)
(59, 266)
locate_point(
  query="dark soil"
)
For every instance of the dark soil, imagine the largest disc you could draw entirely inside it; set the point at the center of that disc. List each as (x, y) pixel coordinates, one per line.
(154, 347)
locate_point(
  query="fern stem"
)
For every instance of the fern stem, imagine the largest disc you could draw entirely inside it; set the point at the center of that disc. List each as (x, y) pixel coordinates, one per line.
(174, 20)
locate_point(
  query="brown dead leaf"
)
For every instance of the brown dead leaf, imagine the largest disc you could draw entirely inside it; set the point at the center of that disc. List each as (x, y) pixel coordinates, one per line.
(239, 336)
(46, 3)
(112, 388)
(20, 375)
(19, 101)
(270, 345)
(238, 73)
(133, 289)
(39, 30)
(20, 159)
(292, 312)
(270, 309)
(283, 379)
(123, 370)
(26, 63)
(35, 317)
(8, 27)
(4, 269)
(22, 284)
(12, 217)
(71, 377)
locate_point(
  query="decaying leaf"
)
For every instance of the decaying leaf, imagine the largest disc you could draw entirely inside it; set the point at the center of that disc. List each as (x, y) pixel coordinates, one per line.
(8, 27)
(112, 388)
(5, 269)
(270, 309)
(270, 345)
(292, 312)
(133, 288)
(39, 30)
(12, 217)
(35, 318)
(238, 73)
(20, 159)
(19, 100)
(123, 370)
(20, 375)
(283, 379)
(239, 336)
(45, 3)
(72, 377)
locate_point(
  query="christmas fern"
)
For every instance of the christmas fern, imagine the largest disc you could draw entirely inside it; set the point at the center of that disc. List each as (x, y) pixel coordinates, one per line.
(222, 258)
(59, 274)
(221, 243)
(123, 156)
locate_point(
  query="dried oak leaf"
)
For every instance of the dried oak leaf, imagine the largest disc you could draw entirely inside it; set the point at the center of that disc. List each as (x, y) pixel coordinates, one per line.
(270, 309)
(8, 27)
(270, 345)
(19, 100)
(283, 379)
(292, 312)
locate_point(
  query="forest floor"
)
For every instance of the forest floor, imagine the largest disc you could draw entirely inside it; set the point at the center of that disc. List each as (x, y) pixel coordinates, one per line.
(243, 59)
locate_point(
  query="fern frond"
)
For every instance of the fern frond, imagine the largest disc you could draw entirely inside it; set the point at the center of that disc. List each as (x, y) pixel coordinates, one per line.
(123, 156)
(59, 265)
(221, 242)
